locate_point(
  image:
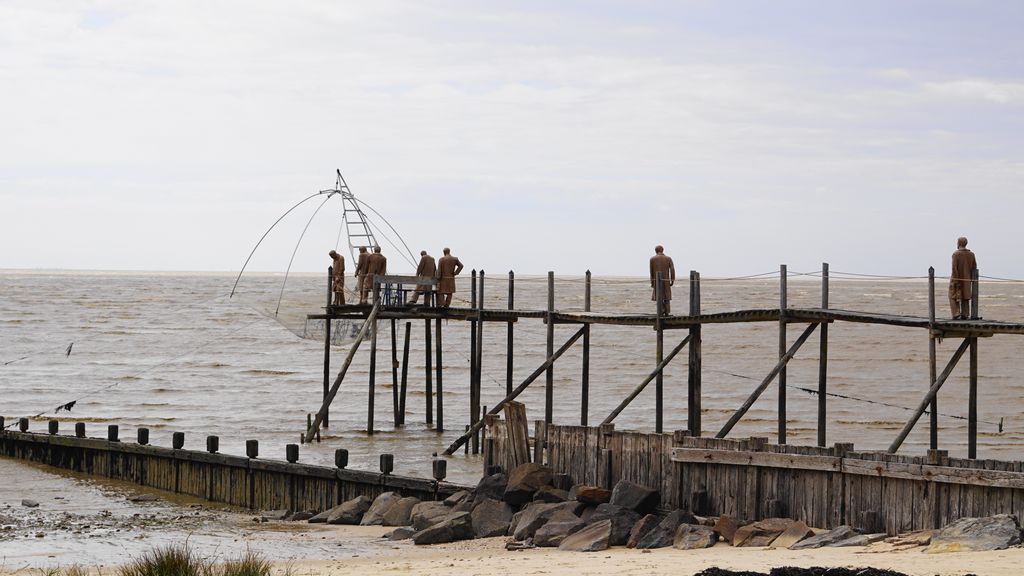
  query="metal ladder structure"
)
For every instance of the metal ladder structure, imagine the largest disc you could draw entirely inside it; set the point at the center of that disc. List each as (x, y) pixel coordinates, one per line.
(357, 227)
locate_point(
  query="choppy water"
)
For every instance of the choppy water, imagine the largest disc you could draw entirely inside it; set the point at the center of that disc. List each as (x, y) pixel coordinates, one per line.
(173, 353)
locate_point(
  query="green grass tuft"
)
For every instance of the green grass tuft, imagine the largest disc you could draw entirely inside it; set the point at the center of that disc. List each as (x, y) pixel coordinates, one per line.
(182, 561)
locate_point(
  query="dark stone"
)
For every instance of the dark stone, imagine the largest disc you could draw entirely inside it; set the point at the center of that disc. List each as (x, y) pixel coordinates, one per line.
(492, 487)
(590, 494)
(350, 512)
(692, 537)
(491, 518)
(562, 481)
(274, 514)
(622, 520)
(663, 535)
(554, 532)
(641, 528)
(761, 533)
(860, 540)
(426, 514)
(830, 537)
(538, 514)
(550, 494)
(462, 496)
(592, 538)
(399, 513)
(726, 527)
(588, 511)
(29, 503)
(796, 532)
(403, 533)
(322, 517)
(640, 499)
(524, 481)
(990, 533)
(301, 516)
(458, 526)
(374, 516)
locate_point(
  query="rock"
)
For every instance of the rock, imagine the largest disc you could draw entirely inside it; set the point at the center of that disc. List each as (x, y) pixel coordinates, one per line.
(761, 533)
(640, 499)
(458, 526)
(859, 540)
(538, 514)
(694, 536)
(590, 494)
(622, 521)
(641, 528)
(524, 481)
(492, 487)
(491, 518)
(403, 533)
(426, 514)
(301, 516)
(29, 503)
(550, 494)
(350, 512)
(399, 512)
(919, 538)
(459, 497)
(663, 535)
(274, 514)
(142, 498)
(322, 517)
(592, 538)
(818, 540)
(726, 527)
(374, 516)
(514, 522)
(989, 533)
(516, 546)
(796, 532)
(554, 532)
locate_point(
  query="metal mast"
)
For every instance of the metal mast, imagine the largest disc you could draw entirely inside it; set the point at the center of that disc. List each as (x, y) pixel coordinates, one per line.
(357, 228)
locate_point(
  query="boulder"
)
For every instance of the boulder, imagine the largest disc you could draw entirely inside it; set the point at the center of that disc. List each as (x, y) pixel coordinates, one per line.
(550, 494)
(663, 535)
(403, 533)
(524, 481)
(28, 503)
(426, 514)
(458, 498)
(640, 499)
(859, 540)
(458, 526)
(989, 533)
(322, 517)
(399, 513)
(301, 516)
(538, 514)
(694, 536)
(831, 537)
(492, 487)
(590, 494)
(641, 528)
(761, 533)
(274, 514)
(726, 527)
(621, 519)
(592, 538)
(796, 532)
(491, 518)
(554, 532)
(350, 512)
(374, 516)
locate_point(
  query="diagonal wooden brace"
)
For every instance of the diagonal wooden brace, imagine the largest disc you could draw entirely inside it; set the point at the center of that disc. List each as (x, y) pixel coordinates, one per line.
(636, 391)
(929, 396)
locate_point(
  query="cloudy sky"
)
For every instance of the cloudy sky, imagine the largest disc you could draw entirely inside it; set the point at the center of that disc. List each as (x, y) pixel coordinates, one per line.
(527, 136)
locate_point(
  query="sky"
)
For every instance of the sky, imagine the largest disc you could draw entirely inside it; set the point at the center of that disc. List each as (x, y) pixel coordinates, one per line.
(533, 136)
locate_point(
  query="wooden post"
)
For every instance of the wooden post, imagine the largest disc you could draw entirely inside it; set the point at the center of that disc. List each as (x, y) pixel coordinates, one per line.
(929, 396)
(693, 412)
(585, 376)
(636, 391)
(373, 363)
(394, 371)
(327, 339)
(933, 425)
(823, 361)
(405, 374)
(972, 400)
(440, 377)
(479, 357)
(428, 375)
(509, 358)
(659, 353)
(782, 351)
(474, 400)
(549, 378)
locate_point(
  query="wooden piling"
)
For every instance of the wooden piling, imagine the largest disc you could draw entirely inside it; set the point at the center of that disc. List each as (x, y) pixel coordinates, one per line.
(327, 340)
(659, 352)
(585, 376)
(782, 351)
(823, 361)
(474, 402)
(427, 378)
(694, 368)
(405, 374)
(509, 337)
(549, 377)
(373, 363)
(479, 357)
(933, 420)
(394, 372)
(440, 377)
(972, 399)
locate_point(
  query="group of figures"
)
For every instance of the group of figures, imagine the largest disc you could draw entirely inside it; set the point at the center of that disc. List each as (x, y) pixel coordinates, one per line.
(448, 267)
(376, 264)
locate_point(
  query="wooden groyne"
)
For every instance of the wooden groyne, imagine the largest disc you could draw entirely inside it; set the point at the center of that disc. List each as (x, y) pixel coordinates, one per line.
(750, 479)
(244, 481)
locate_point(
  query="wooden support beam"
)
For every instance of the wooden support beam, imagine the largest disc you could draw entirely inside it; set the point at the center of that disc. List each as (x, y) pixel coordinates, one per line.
(549, 377)
(659, 352)
(585, 376)
(479, 359)
(972, 388)
(823, 362)
(694, 368)
(428, 373)
(405, 374)
(318, 420)
(474, 402)
(394, 371)
(510, 337)
(327, 340)
(640, 387)
(440, 377)
(783, 293)
(929, 396)
(933, 417)
(373, 365)
(767, 380)
(519, 389)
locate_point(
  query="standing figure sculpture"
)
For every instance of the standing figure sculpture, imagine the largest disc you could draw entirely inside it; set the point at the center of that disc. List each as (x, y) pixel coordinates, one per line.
(338, 281)
(447, 269)
(662, 263)
(361, 283)
(426, 269)
(961, 280)
(376, 265)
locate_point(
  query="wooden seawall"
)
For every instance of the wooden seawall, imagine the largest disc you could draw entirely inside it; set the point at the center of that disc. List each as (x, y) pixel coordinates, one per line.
(752, 480)
(251, 483)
